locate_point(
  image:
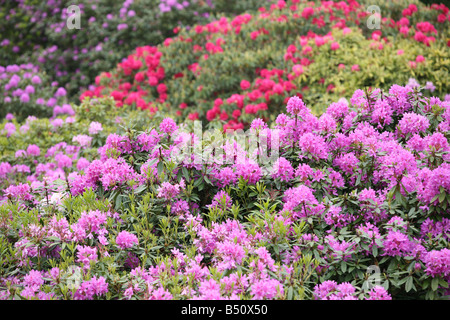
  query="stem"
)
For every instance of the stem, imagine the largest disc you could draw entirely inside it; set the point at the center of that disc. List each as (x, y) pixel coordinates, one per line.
(46, 191)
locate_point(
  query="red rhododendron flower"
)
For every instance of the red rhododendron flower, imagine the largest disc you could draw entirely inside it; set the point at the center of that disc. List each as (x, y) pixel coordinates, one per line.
(254, 35)
(217, 103)
(251, 109)
(278, 89)
(117, 95)
(161, 88)
(167, 42)
(254, 95)
(420, 58)
(441, 18)
(335, 46)
(139, 77)
(211, 115)
(193, 116)
(262, 106)
(223, 116)
(152, 81)
(85, 94)
(307, 12)
(245, 84)
(236, 113)
(298, 69)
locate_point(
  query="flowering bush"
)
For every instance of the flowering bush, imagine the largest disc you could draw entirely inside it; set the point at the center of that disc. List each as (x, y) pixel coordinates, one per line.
(109, 31)
(331, 193)
(26, 91)
(234, 70)
(157, 210)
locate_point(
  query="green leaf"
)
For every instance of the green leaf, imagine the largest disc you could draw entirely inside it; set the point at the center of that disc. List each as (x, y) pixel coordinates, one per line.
(441, 197)
(435, 198)
(160, 167)
(409, 284)
(343, 267)
(375, 251)
(358, 180)
(185, 173)
(435, 284)
(290, 293)
(443, 283)
(198, 182)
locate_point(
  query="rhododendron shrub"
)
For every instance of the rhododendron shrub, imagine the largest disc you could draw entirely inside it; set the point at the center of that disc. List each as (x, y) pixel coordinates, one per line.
(25, 91)
(355, 204)
(56, 147)
(109, 31)
(233, 70)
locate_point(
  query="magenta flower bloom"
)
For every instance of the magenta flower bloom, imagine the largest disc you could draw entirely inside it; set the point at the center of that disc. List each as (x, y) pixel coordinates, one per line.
(29, 89)
(122, 26)
(218, 201)
(397, 244)
(63, 161)
(249, 170)
(266, 289)
(10, 129)
(91, 288)
(33, 150)
(25, 98)
(283, 169)
(33, 279)
(126, 240)
(56, 123)
(168, 126)
(347, 163)
(301, 198)
(20, 191)
(36, 80)
(438, 262)
(379, 293)
(51, 102)
(327, 123)
(258, 124)
(61, 92)
(295, 106)
(330, 290)
(82, 164)
(168, 191)
(67, 108)
(5, 168)
(83, 140)
(86, 254)
(413, 123)
(225, 177)
(313, 145)
(95, 127)
(20, 153)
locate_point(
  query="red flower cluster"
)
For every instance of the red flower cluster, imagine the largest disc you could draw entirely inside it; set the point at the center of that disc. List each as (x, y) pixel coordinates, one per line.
(140, 79)
(141, 67)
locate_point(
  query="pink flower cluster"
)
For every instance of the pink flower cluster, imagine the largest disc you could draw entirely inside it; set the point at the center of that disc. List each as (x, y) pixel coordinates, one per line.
(126, 240)
(330, 290)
